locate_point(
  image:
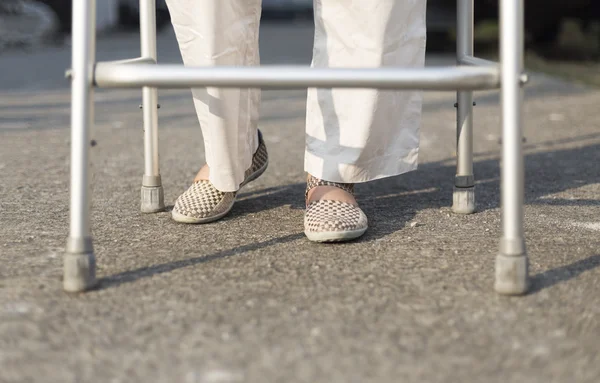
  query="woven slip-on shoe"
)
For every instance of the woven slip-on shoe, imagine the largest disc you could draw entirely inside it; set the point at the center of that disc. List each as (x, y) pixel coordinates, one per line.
(203, 203)
(330, 220)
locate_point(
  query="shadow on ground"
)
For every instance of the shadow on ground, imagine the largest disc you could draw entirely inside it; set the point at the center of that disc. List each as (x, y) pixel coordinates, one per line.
(561, 274)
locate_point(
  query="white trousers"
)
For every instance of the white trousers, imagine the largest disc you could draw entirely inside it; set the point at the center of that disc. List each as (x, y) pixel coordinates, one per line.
(352, 135)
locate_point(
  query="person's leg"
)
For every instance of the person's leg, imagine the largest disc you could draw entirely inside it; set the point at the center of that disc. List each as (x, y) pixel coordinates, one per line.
(220, 33)
(361, 135)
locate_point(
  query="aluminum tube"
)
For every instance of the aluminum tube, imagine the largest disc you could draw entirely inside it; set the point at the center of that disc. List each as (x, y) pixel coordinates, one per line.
(150, 112)
(464, 26)
(289, 77)
(149, 94)
(464, 134)
(511, 51)
(464, 128)
(82, 115)
(148, 28)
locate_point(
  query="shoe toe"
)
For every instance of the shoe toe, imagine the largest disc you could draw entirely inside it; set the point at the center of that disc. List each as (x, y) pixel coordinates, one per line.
(334, 216)
(202, 200)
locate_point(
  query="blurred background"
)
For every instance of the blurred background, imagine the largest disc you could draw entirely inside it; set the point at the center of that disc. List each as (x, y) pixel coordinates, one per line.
(563, 37)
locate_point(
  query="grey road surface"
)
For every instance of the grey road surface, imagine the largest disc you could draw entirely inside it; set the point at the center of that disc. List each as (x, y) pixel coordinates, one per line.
(248, 298)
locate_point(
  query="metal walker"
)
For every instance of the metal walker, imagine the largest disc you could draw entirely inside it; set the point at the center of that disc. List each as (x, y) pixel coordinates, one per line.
(470, 74)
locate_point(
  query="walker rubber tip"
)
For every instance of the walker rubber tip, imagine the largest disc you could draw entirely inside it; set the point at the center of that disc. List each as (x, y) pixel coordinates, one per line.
(79, 272)
(463, 200)
(153, 199)
(512, 274)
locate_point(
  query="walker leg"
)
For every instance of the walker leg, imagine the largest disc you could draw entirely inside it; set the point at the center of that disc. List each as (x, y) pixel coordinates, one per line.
(79, 262)
(512, 262)
(463, 199)
(152, 194)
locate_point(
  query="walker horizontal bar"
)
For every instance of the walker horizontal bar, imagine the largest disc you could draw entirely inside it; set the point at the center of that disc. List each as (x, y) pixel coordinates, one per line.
(111, 75)
(476, 61)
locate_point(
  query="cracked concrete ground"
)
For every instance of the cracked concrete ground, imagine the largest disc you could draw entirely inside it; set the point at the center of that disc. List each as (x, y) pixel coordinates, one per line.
(248, 298)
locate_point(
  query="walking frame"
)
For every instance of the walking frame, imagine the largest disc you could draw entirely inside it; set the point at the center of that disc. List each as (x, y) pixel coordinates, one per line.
(470, 74)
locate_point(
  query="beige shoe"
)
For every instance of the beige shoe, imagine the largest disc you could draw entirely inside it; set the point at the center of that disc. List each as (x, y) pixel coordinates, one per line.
(330, 220)
(203, 203)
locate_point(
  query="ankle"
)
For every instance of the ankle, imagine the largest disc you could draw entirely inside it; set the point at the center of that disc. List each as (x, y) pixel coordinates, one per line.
(203, 174)
(328, 192)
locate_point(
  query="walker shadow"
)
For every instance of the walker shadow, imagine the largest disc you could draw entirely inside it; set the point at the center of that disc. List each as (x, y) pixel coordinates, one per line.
(394, 201)
(431, 186)
(145, 272)
(562, 274)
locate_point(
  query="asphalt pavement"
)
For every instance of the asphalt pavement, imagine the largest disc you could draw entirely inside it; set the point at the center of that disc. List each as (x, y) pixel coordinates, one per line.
(249, 298)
